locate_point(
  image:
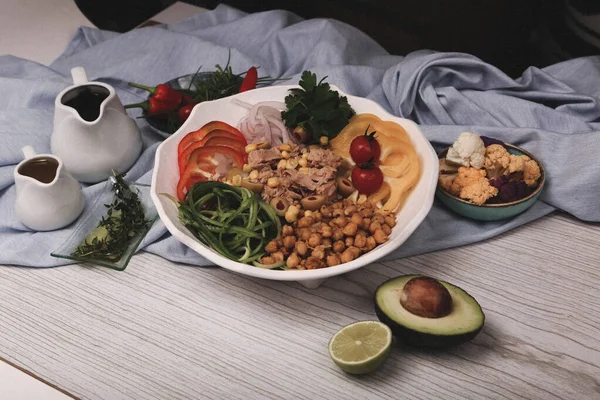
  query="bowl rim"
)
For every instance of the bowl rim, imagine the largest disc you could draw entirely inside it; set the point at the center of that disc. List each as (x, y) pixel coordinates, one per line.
(533, 194)
(302, 275)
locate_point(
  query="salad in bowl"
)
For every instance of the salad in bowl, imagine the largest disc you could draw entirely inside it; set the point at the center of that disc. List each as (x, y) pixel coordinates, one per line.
(294, 182)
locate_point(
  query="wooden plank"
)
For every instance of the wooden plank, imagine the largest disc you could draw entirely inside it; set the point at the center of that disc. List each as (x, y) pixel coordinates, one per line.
(161, 330)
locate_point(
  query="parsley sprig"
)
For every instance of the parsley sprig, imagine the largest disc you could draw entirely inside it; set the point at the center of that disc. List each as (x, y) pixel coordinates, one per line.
(124, 219)
(315, 110)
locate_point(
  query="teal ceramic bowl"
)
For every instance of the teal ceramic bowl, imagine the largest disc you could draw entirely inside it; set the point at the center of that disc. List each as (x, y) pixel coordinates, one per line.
(493, 212)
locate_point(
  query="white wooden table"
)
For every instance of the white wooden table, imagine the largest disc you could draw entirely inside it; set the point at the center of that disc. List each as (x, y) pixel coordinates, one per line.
(160, 330)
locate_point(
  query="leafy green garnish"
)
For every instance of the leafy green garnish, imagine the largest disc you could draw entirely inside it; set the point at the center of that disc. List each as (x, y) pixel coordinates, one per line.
(316, 108)
(231, 220)
(124, 219)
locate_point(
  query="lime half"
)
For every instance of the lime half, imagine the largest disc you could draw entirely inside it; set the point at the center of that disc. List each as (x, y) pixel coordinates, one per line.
(361, 347)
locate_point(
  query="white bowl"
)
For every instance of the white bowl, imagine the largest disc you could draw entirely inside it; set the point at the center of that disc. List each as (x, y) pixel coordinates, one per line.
(166, 175)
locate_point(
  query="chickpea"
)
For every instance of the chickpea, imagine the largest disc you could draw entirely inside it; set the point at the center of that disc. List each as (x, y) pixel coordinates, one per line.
(362, 199)
(366, 222)
(314, 240)
(347, 203)
(378, 218)
(366, 213)
(336, 206)
(356, 219)
(273, 182)
(337, 212)
(390, 221)
(332, 224)
(326, 211)
(360, 241)
(347, 256)
(363, 232)
(333, 260)
(289, 242)
(326, 231)
(380, 236)
(369, 205)
(386, 229)
(317, 216)
(277, 256)
(374, 226)
(287, 230)
(339, 246)
(337, 235)
(301, 248)
(267, 260)
(271, 247)
(355, 251)
(326, 242)
(313, 263)
(291, 214)
(350, 210)
(371, 243)
(350, 229)
(341, 221)
(307, 213)
(349, 241)
(305, 222)
(305, 234)
(318, 252)
(279, 241)
(293, 261)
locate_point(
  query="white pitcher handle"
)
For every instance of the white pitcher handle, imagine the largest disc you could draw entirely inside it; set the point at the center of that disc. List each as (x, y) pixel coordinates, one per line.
(28, 152)
(79, 75)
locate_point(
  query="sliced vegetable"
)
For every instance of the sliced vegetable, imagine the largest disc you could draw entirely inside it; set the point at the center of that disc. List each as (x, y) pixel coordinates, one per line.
(234, 143)
(205, 130)
(202, 165)
(231, 220)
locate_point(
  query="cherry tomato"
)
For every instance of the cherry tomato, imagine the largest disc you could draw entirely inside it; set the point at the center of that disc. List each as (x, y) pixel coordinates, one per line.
(367, 178)
(365, 148)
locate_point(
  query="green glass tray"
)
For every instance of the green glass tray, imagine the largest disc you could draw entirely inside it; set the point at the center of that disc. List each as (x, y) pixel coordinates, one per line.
(90, 220)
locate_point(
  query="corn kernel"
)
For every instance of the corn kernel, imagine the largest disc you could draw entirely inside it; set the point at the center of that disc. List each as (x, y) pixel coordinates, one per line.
(253, 175)
(282, 164)
(285, 147)
(303, 162)
(303, 170)
(250, 147)
(285, 154)
(263, 145)
(247, 168)
(324, 140)
(236, 180)
(273, 182)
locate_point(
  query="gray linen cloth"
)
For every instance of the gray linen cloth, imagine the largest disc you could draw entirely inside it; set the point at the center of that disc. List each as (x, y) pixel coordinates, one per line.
(552, 112)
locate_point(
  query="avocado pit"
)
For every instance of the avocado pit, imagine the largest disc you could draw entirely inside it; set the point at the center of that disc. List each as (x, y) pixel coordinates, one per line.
(426, 297)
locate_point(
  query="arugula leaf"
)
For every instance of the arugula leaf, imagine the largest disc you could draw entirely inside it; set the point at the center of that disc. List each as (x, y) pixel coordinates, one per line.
(316, 108)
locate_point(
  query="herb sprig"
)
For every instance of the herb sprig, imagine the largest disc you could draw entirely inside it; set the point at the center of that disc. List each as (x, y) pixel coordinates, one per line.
(315, 110)
(124, 219)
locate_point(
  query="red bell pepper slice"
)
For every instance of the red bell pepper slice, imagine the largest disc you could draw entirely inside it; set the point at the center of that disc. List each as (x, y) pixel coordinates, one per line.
(201, 163)
(214, 138)
(205, 130)
(250, 79)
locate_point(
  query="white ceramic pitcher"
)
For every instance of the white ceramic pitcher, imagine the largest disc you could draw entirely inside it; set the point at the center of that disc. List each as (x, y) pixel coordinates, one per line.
(93, 134)
(48, 197)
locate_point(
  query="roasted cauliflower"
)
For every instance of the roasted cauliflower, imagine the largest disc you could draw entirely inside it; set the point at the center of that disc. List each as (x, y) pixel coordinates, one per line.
(471, 184)
(525, 166)
(497, 160)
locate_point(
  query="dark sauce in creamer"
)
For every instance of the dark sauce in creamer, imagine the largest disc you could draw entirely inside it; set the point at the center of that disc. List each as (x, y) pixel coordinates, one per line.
(86, 100)
(42, 169)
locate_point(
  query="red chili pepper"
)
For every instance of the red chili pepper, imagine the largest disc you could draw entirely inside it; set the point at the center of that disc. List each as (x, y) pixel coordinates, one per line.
(184, 112)
(162, 92)
(249, 82)
(154, 108)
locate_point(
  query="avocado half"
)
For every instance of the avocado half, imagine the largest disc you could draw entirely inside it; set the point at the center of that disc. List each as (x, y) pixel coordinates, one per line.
(462, 324)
